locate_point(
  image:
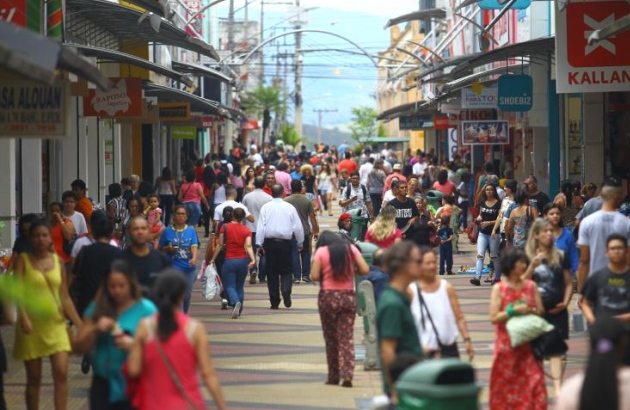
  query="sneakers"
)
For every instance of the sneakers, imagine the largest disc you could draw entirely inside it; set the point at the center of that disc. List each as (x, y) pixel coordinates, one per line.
(475, 282)
(236, 312)
(224, 304)
(306, 279)
(296, 280)
(287, 299)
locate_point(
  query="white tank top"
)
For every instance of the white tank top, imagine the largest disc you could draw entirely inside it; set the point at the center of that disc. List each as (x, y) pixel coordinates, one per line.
(219, 195)
(441, 312)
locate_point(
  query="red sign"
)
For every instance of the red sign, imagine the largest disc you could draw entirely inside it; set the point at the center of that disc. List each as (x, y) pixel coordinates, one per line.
(122, 101)
(585, 17)
(440, 122)
(474, 115)
(13, 11)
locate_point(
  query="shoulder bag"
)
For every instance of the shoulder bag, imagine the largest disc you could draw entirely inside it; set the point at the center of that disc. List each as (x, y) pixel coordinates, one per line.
(444, 351)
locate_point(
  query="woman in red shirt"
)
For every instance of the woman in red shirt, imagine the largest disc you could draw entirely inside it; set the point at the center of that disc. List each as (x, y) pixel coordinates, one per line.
(443, 184)
(60, 229)
(384, 232)
(239, 258)
(334, 264)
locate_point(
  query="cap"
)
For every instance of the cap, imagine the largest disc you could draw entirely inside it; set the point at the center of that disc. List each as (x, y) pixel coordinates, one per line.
(397, 167)
(344, 217)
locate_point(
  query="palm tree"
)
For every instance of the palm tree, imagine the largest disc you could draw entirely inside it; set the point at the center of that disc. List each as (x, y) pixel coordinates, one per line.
(289, 135)
(262, 102)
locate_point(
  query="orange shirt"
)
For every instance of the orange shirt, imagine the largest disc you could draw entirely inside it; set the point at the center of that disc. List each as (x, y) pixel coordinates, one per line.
(84, 206)
(348, 165)
(57, 237)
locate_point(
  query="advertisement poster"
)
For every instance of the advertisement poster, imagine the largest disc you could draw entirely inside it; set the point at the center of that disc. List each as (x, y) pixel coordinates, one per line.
(479, 96)
(29, 109)
(122, 101)
(485, 132)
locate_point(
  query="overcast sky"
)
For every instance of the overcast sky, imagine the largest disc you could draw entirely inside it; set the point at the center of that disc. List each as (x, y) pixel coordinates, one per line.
(332, 80)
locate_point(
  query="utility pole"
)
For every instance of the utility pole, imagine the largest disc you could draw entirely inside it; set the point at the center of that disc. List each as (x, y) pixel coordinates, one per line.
(298, 73)
(261, 56)
(319, 123)
(229, 127)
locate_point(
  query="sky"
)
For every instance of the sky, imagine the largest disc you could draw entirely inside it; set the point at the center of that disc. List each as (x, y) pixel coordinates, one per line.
(331, 80)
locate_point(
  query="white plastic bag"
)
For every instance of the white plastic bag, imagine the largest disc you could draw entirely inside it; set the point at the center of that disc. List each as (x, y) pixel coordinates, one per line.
(211, 283)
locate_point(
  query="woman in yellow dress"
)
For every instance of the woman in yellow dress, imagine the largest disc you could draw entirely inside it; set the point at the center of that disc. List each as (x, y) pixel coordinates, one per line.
(44, 334)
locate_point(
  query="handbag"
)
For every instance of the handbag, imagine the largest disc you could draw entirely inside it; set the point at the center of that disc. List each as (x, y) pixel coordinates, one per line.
(550, 344)
(473, 233)
(434, 239)
(523, 329)
(174, 377)
(444, 351)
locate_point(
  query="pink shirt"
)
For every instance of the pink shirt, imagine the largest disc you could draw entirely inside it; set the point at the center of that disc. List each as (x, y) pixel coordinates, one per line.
(328, 281)
(190, 192)
(448, 188)
(284, 179)
(162, 392)
(384, 243)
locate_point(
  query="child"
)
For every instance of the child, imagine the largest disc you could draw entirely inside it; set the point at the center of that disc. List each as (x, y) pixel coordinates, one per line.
(446, 246)
(154, 216)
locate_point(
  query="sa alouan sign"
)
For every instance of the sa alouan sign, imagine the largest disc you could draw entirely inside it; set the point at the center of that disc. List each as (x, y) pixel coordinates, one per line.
(603, 66)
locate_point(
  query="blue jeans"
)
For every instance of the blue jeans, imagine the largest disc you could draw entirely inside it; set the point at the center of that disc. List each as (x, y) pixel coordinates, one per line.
(301, 260)
(234, 272)
(194, 213)
(446, 257)
(463, 218)
(485, 242)
(191, 277)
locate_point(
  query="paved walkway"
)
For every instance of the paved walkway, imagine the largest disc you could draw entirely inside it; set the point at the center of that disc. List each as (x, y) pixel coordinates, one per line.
(275, 359)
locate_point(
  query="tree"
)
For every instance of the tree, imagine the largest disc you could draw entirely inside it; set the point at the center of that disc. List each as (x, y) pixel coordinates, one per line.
(262, 102)
(363, 123)
(289, 135)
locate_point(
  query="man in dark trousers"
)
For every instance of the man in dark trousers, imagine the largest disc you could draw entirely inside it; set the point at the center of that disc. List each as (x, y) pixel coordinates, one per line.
(278, 224)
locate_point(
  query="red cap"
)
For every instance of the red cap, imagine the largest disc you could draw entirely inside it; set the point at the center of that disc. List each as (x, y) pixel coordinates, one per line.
(344, 217)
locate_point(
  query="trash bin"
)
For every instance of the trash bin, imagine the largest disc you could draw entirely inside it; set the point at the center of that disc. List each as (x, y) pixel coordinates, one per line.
(434, 199)
(359, 225)
(442, 384)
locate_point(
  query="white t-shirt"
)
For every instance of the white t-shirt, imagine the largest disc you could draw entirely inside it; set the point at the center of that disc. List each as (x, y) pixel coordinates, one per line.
(364, 172)
(388, 197)
(78, 220)
(386, 152)
(257, 159)
(418, 168)
(595, 230)
(218, 212)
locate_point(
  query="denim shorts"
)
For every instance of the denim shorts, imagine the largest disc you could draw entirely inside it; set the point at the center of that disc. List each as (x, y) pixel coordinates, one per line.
(194, 212)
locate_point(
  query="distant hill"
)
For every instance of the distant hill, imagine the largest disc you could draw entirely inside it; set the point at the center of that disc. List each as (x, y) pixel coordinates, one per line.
(329, 136)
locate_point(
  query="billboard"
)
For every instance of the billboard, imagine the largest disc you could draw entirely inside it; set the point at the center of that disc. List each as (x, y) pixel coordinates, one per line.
(485, 132)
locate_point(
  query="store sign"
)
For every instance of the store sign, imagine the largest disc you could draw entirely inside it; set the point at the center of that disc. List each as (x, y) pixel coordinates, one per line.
(479, 96)
(24, 13)
(440, 122)
(474, 115)
(485, 132)
(205, 121)
(516, 93)
(184, 132)
(124, 100)
(601, 67)
(498, 4)
(29, 109)
(174, 111)
(414, 122)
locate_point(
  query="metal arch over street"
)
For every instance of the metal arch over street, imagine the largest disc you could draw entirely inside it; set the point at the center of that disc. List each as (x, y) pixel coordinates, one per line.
(290, 33)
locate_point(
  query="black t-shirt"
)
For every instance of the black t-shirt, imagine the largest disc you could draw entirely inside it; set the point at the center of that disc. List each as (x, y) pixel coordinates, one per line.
(489, 213)
(608, 292)
(539, 201)
(147, 267)
(304, 156)
(550, 282)
(404, 211)
(309, 183)
(421, 231)
(92, 263)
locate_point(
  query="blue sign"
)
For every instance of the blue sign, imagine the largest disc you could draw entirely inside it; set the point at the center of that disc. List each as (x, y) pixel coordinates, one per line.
(516, 93)
(499, 4)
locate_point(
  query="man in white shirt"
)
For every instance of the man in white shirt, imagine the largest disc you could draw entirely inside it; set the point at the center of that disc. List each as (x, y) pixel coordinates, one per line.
(230, 195)
(386, 151)
(254, 201)
(418, 167)
(69, 200)
(279, 222)
(255, 156)
(365, 169)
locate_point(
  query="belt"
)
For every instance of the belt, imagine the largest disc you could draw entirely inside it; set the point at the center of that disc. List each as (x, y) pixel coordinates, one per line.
(277, 239)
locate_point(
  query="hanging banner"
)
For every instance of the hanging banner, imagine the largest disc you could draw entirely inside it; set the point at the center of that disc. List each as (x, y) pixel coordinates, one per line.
(516, 93)
(122, 101)
(29, 109)
(184, 132)
(479, 96)
(174, 111)
(603, 66)
(485, 132)
(108, 151)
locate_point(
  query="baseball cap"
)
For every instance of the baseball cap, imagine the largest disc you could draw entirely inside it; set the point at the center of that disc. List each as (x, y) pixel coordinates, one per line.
(344, 217)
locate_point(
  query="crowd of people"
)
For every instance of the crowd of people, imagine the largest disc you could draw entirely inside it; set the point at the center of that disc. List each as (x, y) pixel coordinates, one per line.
(123, 274)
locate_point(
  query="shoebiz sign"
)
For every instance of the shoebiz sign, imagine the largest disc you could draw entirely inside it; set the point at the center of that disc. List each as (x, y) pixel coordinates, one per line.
(584, 66)
(515, 93)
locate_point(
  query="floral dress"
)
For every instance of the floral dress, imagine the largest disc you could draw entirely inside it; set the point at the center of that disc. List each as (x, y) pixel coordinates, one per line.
(517, 381)
(521, 229)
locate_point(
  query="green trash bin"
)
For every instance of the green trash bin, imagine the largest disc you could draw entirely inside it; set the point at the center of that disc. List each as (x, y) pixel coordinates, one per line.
(442, 384)
(359, 225)
(434, 198)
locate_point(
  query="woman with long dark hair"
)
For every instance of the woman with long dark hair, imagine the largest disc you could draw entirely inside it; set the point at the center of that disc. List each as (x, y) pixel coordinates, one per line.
(110, 322)
(248, 180)
(606, 381)
(563, 237)
(191, 196)
(334, 264)
(166, 189)
(488, 213)
(521, 218)
(168, 351)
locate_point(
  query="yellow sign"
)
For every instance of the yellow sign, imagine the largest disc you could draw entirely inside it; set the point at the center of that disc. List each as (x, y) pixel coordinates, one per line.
(174, 111)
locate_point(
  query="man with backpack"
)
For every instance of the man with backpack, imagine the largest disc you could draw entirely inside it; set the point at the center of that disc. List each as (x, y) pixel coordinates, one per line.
(356, 196)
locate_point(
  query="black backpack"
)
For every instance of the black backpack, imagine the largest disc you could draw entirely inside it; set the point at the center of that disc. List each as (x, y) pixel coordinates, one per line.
(349, 189)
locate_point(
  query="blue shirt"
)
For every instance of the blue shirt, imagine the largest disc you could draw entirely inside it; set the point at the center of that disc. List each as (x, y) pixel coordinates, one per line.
(566, 243)
(107, 359)
(380, 280)
(185, 240)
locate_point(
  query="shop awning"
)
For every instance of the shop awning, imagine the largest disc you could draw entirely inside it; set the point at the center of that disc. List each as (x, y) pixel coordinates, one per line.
(160, 7)
(35, 57)
(416, 107)
(201, 70)
(250, 124)
(533, 49)
(417, 15)
(198, 104)
(125, 23)
(470, 79)
(450, 62)
(120, 57)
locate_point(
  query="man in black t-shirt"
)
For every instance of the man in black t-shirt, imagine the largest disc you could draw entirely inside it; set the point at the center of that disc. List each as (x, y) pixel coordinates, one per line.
(146, 261)
(406, 210)
(537, 198)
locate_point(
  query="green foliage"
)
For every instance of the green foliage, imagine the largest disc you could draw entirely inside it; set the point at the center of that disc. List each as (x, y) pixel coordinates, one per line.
(363, 123)
(289, 135)
(265, 98)
(381, 131)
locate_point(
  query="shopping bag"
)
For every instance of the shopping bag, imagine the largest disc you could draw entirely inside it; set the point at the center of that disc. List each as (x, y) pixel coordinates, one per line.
(211, 283)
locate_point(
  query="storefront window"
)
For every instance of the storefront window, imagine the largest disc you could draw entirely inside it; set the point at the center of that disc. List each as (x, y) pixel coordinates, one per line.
(575, 138)
(619, 133)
